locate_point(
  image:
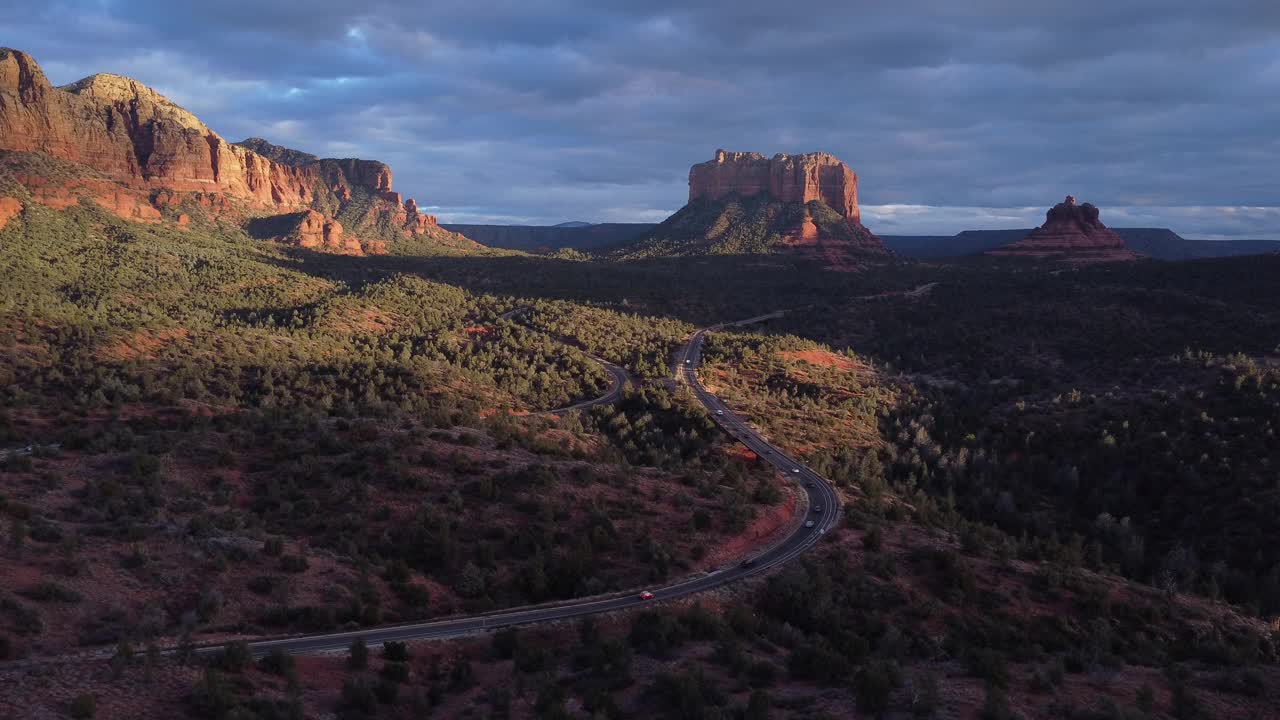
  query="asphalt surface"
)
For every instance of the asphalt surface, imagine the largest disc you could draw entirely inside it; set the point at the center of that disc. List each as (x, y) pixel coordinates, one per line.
(618, 377)
(823, 510)
(28, 450)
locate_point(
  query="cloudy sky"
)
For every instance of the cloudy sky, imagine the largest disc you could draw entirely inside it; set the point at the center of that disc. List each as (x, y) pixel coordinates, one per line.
(955, 115)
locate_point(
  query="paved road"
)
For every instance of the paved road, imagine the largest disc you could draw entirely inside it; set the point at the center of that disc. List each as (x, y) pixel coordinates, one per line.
(28, 450)
(618, 377)
(824, 512)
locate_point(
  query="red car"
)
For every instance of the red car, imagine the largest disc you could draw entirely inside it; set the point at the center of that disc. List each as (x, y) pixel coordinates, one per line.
(646, 595)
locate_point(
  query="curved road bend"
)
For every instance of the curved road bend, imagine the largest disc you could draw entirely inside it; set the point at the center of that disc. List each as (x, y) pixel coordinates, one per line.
(824, 512)
(618, 377)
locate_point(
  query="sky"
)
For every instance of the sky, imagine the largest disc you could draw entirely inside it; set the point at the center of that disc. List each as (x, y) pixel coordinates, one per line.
(956, 114)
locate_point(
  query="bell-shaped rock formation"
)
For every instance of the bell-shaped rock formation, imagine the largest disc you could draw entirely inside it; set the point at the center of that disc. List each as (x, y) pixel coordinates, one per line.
(1071, 233)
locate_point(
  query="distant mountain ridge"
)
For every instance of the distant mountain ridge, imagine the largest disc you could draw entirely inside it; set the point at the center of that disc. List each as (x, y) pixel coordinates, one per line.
(548, 238)
(1072, 233)
(1158, 243)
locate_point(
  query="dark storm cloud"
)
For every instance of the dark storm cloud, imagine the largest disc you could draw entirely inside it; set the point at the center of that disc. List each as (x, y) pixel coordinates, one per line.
(549, 110)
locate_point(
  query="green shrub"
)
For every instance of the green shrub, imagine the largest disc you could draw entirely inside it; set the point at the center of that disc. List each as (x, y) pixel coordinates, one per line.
(83, 706)
(358, 655)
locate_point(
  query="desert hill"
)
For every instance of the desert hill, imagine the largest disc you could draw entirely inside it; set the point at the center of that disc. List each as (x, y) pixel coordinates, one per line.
(133, 151)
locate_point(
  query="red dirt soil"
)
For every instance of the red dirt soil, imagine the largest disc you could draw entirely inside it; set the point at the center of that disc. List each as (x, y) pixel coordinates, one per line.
(822, 358)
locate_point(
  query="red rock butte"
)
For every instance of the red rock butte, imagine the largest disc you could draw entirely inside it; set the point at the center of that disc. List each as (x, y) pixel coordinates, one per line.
(149, 153)
(789, 178)
(1071, 233)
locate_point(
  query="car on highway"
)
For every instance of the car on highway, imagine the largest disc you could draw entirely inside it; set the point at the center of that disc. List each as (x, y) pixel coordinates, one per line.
(795, 470)
(817, 508)
(719, 412)
(808, 523)
(748, 562)
(687, 361)
(809, 484)
(646, 595)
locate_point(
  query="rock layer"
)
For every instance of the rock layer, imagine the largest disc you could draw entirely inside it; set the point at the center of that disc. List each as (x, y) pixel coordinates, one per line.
(789, 178)
(1071, 233)
(9, 209)
(313, 231)
(745, 203)
(144, 146)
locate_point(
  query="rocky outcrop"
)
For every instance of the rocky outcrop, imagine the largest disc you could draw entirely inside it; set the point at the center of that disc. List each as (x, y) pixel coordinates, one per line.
(789, 178)
(142, 145)
(313, 231)
(277, 153)
(9, 209)
(745, 203)
(1071, 233)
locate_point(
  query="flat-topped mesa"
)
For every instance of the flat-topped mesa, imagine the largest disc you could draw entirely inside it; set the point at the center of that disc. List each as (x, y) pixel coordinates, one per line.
(744, 204)
(789, 178)
(1072, 233)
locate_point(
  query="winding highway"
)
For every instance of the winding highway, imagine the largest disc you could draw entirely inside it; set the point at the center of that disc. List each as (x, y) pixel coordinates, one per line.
(821, 512)
(618, 377)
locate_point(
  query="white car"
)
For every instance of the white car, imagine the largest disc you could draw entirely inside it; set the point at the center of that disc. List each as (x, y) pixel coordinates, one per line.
(808, 523)
(795, 470)
(719, 412)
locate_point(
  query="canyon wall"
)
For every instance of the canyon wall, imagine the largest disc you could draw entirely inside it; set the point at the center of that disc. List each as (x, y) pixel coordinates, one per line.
(142, 145)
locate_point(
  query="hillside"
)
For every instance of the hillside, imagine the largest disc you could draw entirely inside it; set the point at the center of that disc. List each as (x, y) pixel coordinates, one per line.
(232, 441)
(113, 141)
(1157, 243)
(236, 445)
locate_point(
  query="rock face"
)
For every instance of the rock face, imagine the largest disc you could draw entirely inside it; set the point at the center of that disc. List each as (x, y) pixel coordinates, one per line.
(789, 178)
(313, 231)
(276, 153)
(145, 146)
(9, 209)
(1071, 233)
(745, 203)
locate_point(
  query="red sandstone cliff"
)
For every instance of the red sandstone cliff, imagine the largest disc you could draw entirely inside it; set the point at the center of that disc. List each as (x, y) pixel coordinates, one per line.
(789, 178)
(1071, 233)
(149, 153)
(746, 203)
